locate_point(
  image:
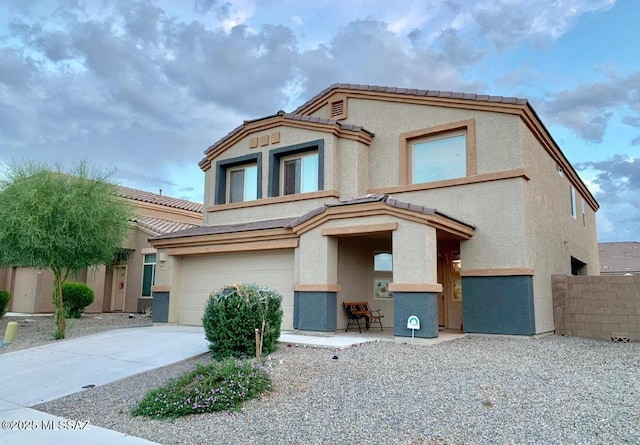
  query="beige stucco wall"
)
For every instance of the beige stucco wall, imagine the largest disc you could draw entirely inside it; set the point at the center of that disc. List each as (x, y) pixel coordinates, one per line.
(552, 235)
(496, 135)
(264, 212)
(497, 241)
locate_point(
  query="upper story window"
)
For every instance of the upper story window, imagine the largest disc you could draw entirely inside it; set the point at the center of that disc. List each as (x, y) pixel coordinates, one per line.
(239, 179)
(439, 157)
(574, 204)
(441, 153)
(296, 169)
(243, 184)
(300, 173)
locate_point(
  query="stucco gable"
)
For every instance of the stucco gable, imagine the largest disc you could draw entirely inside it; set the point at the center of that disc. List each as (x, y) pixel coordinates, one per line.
(282, 119)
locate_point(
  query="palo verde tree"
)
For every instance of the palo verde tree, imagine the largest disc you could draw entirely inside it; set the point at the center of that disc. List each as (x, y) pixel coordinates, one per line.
(60, 220)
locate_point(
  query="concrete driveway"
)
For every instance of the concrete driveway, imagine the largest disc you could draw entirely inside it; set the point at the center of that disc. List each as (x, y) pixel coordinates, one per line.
(48, 372)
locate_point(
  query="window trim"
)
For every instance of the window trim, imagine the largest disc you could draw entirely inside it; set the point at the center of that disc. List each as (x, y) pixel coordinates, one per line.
(226, 165)
(573, 202)
(278, 154)
(407, 139)
(294, 157)
(153, 272)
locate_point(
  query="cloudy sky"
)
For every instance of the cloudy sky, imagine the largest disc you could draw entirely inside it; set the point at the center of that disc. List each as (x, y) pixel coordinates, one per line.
(146, 86)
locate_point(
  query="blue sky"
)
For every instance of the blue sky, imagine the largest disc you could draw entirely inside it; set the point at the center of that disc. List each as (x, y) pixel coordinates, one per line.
(145, 87)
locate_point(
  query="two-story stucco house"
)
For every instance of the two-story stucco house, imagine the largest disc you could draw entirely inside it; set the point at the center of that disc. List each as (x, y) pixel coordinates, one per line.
(456, 208)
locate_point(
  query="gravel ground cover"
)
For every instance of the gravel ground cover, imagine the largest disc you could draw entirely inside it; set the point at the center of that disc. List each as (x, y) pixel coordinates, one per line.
(35, 330)
(475, 390)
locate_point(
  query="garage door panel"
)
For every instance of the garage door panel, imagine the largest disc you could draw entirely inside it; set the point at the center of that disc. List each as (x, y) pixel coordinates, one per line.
(204, 274)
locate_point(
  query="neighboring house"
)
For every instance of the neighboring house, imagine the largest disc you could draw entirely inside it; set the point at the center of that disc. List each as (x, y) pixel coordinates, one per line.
(456, 208)
(621, 258)
(124, 286)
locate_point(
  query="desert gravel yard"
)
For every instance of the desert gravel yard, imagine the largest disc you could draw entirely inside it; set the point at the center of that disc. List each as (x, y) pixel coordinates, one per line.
(475, 390)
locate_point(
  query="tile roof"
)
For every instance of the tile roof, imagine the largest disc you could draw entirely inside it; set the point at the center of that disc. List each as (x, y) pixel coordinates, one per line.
(619, 258)
(415, 92)
(154, 198)
(285, 223)
(231, 228)
(160, 226)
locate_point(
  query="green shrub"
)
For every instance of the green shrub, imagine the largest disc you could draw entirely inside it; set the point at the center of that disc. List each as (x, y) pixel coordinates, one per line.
(4, 302)
(76, 297)
(218, 386)
(233, 313)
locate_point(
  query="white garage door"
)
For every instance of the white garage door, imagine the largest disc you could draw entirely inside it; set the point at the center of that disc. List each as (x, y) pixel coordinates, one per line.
(202, 274)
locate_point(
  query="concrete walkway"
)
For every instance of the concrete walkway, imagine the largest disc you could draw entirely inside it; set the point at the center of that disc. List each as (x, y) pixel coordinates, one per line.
(48, 372)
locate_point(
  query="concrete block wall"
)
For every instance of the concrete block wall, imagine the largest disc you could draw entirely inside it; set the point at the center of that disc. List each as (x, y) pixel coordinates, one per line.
(598, 307)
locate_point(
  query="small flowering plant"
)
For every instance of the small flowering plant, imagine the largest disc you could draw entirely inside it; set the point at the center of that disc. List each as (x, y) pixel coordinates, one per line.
(218, 386)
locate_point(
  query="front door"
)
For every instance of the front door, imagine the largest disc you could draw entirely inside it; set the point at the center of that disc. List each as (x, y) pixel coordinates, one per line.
(119, 288)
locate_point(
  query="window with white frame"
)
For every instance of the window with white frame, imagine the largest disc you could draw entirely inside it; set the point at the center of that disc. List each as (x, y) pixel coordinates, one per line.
(300, 173)
(242, 183)
(238, 179)
(296, 168)
(584, 214)
(574, 209)
(439, 157)
(382, 262)
(148, 273)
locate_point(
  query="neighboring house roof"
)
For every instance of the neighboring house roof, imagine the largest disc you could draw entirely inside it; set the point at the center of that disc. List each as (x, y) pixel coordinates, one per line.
(159, 226)
(619, 258)
(291, 223)
(154, 198)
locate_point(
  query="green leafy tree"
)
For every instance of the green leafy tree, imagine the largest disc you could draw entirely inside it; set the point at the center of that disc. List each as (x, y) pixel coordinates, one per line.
(60, 220)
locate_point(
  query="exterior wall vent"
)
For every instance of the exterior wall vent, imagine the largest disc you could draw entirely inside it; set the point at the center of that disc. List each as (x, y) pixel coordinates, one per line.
(338, 108)
(619, 339)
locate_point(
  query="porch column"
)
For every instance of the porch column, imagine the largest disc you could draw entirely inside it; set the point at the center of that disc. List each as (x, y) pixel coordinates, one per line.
(415, 286)
(315, 294)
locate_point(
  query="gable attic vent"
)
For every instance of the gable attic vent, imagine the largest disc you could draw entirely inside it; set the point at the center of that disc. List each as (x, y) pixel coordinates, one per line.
(338, 109)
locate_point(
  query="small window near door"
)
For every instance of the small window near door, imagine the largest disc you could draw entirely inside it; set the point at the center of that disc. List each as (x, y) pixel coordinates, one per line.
(148, 273)
(382, 262)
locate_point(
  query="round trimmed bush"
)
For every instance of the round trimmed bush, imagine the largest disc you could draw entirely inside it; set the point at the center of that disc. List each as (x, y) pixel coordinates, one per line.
(234, 312)
(76, 297)
(4, 302)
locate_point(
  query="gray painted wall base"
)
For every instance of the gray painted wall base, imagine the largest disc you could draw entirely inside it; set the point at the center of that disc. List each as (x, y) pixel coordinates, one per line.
(160, 307)
(424, 305)
(315, 311)
(498, 305)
